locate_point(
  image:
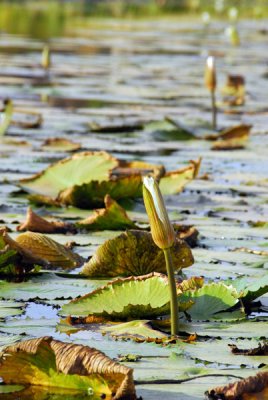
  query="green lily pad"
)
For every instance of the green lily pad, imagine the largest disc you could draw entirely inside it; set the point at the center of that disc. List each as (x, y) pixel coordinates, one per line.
(91, 194)
(210, 299)
(250, 289)
(134, 297)
(134, 253)
(10, 308)
(113, 217)
(76, 170)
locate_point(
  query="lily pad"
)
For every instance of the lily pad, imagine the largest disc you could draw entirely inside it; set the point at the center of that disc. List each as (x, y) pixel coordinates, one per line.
(60, 144)
(134, 253)
(10, 308)
(112, 217)
(134, 329)
(47, 249)
(79, 169)
(51, 363)
(92, 194)
(133, 297)
(250, 289)
(174, 181)
(210, 299)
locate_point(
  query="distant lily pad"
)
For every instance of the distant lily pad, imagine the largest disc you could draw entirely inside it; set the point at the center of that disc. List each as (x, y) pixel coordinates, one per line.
(133, 329)
(60, 144)
(134, 253)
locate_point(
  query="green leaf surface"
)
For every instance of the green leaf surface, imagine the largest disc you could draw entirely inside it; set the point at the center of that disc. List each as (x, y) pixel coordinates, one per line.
(10, 308)
(77, 170)
(210, 299)
(134, 253)
(133, 329)
(134, 297)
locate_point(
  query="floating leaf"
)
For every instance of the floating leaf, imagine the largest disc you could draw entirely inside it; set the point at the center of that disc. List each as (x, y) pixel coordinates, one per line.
(261, 350)
(232, 138)
(238, 389)
(234, 90)
(47, 249)
(93, 193)
(134, 297)
(250, 289)
(16, 259)
(174, 181)
(60, 144)
(10, 308)
(133, 329)
(34, 223)
(51, 363)
(210, 299)
(112, 217)
(134, 253)
(26, 119)
(76, 170)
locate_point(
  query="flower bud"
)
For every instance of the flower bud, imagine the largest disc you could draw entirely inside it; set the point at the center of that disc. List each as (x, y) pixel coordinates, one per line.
(161, 229)
(210, 74)
(45, 61)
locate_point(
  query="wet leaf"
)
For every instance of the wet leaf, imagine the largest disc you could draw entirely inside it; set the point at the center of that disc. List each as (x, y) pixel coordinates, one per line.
(76, 170)
(237, 390)
(134, 253)
(210, 299)
(34, 223)
(112, 217)
(51, 363)
(60, 144)
(134, 297)
(47, 249)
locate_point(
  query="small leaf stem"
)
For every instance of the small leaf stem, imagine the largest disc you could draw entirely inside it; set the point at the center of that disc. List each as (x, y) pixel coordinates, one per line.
(174, 311)
(214, 109)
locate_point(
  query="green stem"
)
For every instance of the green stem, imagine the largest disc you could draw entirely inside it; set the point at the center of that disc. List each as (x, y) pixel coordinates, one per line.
(174, 311)
(214, 109)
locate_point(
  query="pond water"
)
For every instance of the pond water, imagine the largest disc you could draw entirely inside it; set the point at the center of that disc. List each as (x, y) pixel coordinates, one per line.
(128, 76)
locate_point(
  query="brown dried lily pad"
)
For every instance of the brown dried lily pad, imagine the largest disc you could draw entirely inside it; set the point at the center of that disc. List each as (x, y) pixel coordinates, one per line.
(113, 216)
(49, 250)
(233, 138)
(55, 364)
(135, 253)
(26, 119)
(261, 350)
(34, 223)
(240, 389)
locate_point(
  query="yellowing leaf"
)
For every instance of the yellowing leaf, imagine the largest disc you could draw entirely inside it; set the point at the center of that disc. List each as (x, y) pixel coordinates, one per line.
(47, 249)
(51, 363)
(174, 181)
(134, 253)
(60, 144)
(112, 217)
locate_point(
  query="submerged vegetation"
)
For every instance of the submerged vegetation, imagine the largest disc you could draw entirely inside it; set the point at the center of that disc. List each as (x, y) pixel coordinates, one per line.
(133, 237)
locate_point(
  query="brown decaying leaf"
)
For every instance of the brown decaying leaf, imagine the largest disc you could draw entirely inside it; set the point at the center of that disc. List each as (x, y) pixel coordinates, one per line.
(251, 251)
(47, 249)
(71, 359)
(261, 350)
(35, 121)
(34, 223)
(186, 232)
(234, 138)
(140, 167)
(236, 390)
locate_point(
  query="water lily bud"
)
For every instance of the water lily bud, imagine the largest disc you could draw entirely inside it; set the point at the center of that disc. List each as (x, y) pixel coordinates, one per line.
(162, 231)
(206, 18)
(210, 74)
(232, 33)
(45, 61)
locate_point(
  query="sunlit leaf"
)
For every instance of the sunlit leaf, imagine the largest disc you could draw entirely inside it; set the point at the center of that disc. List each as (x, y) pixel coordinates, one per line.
(112, 217)
(47, 249)
(134, 297)
(134, 253)
(79, 169)
(210, 299)
(51, 363)
(133, 329)
(60, 144)
(174, 181)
